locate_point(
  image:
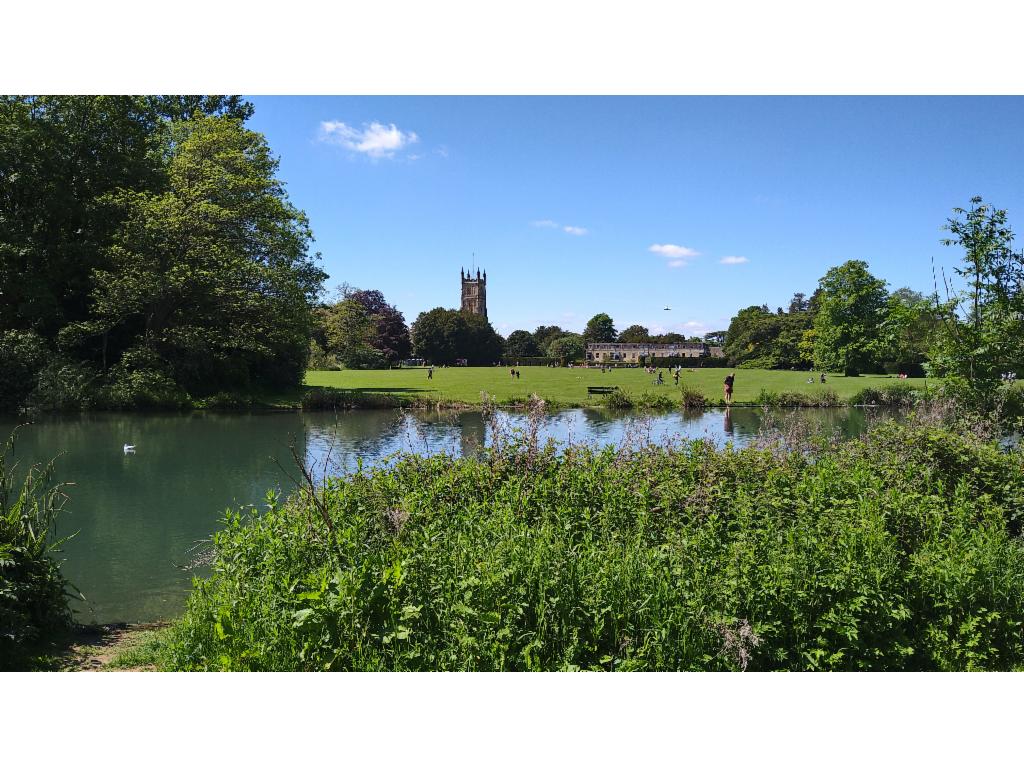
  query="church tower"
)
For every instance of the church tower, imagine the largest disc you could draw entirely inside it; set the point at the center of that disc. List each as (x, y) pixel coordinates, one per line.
(474, 293)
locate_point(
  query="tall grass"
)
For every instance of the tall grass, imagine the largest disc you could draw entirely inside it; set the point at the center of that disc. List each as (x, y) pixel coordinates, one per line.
(33, 599)
(899, 550)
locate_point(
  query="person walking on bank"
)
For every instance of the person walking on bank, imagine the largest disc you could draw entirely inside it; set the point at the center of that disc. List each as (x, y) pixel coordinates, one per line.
(676, 376)
(729, 381)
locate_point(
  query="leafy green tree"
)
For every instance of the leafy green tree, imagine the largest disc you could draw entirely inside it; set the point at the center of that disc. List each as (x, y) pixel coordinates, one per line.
(715, 338)
(600, 329)
(908, 331)
(568, 347)
(668, 338)
(391, 334)
(545, 334)
(635, 334)
(436, 334)
(750, 335)
(481, 345)
(209, 280)
(444, 335)
(351, 333)
(981, 335)
(851, 309)
(23, 354)
(521, 344)
(59, 157)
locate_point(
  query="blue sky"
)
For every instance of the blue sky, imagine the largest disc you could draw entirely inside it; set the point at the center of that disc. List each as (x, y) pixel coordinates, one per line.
(579, 205)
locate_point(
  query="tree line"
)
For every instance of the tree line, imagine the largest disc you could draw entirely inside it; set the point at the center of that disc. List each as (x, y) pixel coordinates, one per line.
(148, 253)
(970, 330)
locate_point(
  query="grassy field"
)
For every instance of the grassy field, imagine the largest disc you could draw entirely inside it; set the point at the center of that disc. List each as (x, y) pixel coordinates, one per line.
(568, 386)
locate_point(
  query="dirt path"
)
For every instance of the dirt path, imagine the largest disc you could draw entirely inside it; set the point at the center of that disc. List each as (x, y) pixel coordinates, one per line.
(94, 647)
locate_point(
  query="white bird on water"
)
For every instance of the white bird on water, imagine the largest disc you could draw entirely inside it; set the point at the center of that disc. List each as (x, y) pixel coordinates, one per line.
(129, 448)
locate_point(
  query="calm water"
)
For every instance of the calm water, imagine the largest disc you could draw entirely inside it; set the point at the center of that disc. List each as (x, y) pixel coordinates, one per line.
(138, 516)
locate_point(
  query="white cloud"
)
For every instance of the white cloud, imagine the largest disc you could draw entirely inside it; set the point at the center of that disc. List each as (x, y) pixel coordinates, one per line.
(734, 260)
(678, 255)
(549, 224)
(375, 139)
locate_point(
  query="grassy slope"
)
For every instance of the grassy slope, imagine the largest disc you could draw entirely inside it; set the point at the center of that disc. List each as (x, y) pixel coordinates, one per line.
(569, 386)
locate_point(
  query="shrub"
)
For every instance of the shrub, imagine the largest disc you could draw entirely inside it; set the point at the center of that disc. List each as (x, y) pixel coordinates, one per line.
(33, 604)
(692, 397)
(901, 395)
(23, 354)
(619, 400)
(140, 380)
(822, 398)
(65, 385)
(894, 551)
(329, 399)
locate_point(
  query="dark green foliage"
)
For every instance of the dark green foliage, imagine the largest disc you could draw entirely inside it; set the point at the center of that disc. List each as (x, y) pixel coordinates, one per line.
(443, 336)
(896, 551)
(825, 398)
(33, 600)
(23, 354)
(360, 330)
(635, 334)
(329, 399)
(894, 395)
(545, 334)
(148, 244)
(600, 329)
(521, 344)
(758, 338)
(981, 334)
(851, 308)
(692, 397)
(567, 348)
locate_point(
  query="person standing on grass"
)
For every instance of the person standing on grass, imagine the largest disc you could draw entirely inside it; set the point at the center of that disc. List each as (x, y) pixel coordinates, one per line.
(430, 372)
(729, 381)
(676, 376)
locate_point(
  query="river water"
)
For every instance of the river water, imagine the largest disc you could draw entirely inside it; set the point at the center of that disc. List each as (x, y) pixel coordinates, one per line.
(137, 517)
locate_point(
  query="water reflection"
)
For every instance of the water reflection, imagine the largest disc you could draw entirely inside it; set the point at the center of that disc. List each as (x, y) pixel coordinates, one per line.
(138, 516)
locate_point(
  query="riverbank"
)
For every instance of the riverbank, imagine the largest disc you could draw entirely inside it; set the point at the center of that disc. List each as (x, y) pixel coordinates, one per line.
(115, 647)
(900, 550)
(568, 387)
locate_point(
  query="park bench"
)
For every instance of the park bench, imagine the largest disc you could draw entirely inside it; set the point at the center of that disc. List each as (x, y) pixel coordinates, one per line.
(600, 390)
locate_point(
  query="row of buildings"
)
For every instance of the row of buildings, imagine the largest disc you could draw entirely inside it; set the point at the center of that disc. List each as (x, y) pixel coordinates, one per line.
(641, 353)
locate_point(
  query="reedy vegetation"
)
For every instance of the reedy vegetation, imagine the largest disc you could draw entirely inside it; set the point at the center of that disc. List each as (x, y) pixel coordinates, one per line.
(899, 550)
(33, 593)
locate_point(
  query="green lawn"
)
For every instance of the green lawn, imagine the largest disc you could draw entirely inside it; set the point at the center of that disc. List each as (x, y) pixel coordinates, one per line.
(565, 386)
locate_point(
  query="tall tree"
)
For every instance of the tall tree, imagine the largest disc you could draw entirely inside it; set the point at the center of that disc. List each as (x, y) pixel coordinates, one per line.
(521, 344)
(210, 280)
(908, 331)
(851, 309)
(351, 332)
(982, 331)
(544, 334)
(567, 348)
(391, 335)
(600, 328)
(635, 334)
(444, 335)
